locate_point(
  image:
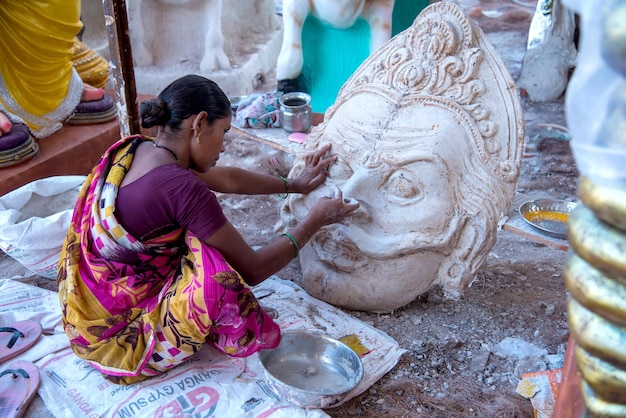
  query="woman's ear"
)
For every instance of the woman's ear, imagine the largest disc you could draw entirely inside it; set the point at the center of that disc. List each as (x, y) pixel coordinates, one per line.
(199, 120)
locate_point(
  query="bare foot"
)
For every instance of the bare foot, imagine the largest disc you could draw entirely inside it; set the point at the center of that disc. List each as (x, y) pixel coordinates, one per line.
(5, 124)
(90, 93)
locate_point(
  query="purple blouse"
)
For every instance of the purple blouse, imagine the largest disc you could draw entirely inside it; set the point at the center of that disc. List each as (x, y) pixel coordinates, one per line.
(166, 198)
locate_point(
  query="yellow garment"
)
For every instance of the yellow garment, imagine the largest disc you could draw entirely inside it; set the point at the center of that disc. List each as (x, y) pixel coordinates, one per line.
(91, 67)
(38, 83)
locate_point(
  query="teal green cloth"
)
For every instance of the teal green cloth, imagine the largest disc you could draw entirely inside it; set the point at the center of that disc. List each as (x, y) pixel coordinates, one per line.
(404, 13)
(332, 55)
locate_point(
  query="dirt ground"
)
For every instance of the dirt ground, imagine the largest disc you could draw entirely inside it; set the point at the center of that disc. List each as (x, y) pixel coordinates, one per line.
(450, 369)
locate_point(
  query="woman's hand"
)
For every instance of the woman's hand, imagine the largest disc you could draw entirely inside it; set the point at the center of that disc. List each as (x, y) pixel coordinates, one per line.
(314, 172)
(332, 209)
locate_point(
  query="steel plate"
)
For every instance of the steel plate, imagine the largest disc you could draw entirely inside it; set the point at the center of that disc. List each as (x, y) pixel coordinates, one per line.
(548, 216)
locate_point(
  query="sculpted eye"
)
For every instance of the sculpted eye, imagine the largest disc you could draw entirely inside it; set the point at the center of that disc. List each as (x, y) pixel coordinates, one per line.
(402, 187)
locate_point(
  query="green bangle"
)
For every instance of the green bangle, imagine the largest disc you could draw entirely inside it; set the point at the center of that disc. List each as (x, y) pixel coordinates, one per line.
(284, 196)
(294, 242)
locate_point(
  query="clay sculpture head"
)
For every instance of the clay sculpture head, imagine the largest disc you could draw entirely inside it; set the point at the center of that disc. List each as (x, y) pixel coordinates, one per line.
(429, 133)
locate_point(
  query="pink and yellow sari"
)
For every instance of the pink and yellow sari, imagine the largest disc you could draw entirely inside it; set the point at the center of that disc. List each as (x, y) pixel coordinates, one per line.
(136, 309)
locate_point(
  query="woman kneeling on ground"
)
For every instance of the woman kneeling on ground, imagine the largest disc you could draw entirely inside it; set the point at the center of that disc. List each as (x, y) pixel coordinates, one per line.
(151, 269)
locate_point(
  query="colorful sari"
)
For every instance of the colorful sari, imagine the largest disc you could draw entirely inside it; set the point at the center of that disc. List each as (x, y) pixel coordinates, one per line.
(136, 309)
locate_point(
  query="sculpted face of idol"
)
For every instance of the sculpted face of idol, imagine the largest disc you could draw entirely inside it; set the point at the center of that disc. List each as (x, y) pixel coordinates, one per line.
(403, 173)
(429, 134)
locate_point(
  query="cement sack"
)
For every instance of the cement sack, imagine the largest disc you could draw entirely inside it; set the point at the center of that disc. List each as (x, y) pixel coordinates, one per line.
(34, 220)
(212, 384)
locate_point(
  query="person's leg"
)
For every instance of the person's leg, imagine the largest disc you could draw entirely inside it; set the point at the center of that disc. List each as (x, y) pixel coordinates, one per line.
(208, 303)
(92, 68)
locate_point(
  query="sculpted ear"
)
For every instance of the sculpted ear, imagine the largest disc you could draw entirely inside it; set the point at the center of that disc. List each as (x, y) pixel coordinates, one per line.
(466, 257)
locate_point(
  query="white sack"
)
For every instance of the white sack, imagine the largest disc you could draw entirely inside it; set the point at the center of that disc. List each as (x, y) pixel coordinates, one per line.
(34, 220)
(211, 384)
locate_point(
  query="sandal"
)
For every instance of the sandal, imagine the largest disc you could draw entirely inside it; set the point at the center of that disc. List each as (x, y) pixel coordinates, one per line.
(17, 145)
(95, 111)
(18, 338)
(18, 386)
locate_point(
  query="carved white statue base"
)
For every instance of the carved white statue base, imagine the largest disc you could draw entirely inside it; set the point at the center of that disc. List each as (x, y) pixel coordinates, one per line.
(171, 38)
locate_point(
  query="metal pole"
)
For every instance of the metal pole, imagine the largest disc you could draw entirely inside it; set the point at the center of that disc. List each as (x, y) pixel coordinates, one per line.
(116, 22)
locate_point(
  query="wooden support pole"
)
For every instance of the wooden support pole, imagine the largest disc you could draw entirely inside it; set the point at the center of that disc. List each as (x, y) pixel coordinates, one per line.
(116, 22)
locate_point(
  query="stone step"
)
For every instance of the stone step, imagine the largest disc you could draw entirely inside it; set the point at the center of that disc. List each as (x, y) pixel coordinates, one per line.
(73, 150)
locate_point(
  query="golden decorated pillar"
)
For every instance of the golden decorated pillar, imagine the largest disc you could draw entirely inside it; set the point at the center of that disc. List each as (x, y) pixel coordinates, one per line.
(595, 273)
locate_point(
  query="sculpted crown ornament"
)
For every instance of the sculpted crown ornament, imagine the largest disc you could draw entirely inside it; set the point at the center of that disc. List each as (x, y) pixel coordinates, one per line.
(440, 61)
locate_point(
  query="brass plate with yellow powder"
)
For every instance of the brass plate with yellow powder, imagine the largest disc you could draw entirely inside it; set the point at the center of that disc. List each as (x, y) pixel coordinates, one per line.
(548, 216)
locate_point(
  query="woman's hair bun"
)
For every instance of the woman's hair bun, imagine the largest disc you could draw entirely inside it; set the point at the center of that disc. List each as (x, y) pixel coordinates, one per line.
(154, 112)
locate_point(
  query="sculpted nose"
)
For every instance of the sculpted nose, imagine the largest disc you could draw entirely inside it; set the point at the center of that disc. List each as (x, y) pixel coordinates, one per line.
(358, 186)
(362, 188)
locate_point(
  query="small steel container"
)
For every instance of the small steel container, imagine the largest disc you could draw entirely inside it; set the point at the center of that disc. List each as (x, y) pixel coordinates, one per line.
(295, 112)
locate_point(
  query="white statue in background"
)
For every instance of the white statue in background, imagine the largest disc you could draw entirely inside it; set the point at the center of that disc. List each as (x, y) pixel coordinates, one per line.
(201, 19)
(550, 52)
(429, 133)
(172, 38)
(340, 14)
